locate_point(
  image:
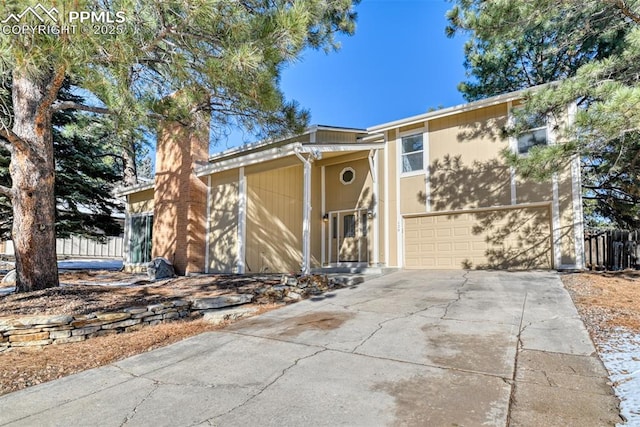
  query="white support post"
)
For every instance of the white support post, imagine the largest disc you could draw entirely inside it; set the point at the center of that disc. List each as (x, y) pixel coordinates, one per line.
(576, 190)
(513, 145)
(242, 222)
(323, 236)
(306, 216)
(208, 227)
(373, 165)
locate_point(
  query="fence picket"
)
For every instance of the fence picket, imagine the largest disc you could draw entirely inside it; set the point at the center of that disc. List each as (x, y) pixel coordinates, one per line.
(612, 249)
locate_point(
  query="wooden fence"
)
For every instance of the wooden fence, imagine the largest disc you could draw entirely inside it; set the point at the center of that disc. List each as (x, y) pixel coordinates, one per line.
(612, 249)
(79, 246)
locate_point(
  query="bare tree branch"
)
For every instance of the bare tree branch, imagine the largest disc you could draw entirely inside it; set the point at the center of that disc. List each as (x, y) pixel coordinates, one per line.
(626, 10)
(71, 105)
(13, 139)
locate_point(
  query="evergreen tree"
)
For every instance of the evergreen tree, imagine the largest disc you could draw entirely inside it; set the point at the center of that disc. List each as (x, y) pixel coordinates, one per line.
(587, 51)
(87, 169)
(167, 59)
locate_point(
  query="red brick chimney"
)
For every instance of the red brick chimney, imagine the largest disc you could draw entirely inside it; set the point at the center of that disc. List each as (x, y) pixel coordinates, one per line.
(180, 198)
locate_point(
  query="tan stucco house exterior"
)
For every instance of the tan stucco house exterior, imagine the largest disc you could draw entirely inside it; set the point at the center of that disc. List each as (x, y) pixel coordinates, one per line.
(429, 191)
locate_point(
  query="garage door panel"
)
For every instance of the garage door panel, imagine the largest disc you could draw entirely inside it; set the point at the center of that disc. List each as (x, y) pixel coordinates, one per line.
(517, 238)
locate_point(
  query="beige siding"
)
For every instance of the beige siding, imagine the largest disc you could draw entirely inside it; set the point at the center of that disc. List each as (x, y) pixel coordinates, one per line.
(412, 194)
(530, 191)
(325, 136)
(223, 216)
(274, 220)
(316, 217)
(414, 126)
(466, 170)
(141, 202)
(567, 236)
(357, 195)
(506, 238)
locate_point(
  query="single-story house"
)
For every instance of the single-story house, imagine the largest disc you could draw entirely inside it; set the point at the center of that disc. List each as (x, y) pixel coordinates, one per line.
(430, 191)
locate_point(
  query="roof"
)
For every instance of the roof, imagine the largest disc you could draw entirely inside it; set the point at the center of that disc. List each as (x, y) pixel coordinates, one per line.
(494, 100)
(268, 142)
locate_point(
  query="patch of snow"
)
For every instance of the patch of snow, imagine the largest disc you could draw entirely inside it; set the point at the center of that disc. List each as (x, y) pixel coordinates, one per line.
(90, 264)
(621, 355)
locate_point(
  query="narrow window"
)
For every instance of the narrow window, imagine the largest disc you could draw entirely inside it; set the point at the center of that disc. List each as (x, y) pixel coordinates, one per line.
(412, 153)
(535, 135)
(364, 225)
(334, 226)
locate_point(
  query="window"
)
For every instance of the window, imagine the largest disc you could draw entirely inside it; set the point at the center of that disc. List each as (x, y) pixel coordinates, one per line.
(334, 227)
(141, 237)
(349, 226)
(412, 153)
(347, 176)
(536, 135)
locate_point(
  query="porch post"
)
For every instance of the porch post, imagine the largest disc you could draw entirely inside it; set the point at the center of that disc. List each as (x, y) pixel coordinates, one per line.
(306, 215)
(242, 221)
(373, 164)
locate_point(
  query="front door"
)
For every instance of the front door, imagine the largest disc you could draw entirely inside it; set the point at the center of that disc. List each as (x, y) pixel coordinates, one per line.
(348, 236)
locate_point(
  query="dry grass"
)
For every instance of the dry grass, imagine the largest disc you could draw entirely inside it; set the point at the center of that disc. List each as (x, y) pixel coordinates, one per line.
(606, 301)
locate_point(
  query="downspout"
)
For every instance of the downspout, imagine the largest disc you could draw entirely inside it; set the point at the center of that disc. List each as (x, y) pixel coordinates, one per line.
(306, 213)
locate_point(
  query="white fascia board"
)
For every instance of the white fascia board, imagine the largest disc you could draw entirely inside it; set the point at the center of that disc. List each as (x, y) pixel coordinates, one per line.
(280, 152)
(332, 148)
(124, 191)
(374, 137)
(494, 100)
(249, 159)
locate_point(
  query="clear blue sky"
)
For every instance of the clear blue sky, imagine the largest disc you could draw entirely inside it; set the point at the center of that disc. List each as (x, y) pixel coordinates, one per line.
(399, 63)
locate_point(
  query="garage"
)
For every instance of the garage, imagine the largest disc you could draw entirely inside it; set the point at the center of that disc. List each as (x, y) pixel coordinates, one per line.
(514, 237)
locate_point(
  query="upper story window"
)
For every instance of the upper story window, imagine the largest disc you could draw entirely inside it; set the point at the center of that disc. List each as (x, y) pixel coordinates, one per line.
(535, 135)
(412, 153)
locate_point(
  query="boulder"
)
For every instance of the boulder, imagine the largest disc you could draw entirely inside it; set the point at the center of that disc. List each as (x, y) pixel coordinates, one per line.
(160, 268)
(10, 277)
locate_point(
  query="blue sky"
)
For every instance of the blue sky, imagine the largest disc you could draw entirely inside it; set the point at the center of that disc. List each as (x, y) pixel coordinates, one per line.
(399, 63)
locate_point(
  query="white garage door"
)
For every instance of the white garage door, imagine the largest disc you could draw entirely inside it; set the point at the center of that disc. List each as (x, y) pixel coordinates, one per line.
(514, 238)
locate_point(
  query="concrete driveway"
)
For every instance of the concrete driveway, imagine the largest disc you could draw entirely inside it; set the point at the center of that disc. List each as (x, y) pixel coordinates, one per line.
(417, 348)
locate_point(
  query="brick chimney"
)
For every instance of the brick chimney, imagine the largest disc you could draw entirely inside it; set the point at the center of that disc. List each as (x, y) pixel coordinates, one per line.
(180, 198)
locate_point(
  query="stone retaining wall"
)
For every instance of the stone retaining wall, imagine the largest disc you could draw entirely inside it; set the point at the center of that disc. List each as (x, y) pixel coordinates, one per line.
(62, 329)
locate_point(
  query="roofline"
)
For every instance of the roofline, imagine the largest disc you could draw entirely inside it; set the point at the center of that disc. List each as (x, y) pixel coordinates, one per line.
(290, 149)
(494, 100)
(124, 191)
(266, 142)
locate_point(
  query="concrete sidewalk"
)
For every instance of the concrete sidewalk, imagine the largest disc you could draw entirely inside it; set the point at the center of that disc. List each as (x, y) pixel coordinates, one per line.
(411, 348)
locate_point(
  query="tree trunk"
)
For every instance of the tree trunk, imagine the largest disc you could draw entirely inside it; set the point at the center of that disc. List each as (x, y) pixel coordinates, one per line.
(130, 173)
(32, 172)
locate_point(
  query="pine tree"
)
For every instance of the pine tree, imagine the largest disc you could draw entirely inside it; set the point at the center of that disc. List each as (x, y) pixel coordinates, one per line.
(168, 59)
(588, 53)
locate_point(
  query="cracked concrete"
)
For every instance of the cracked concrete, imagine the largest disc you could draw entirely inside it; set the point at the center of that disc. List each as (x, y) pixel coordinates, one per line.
(409, 348)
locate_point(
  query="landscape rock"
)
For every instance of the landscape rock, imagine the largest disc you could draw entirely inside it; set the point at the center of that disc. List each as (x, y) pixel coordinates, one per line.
(222, 301)
(216, 317)
(160, 268)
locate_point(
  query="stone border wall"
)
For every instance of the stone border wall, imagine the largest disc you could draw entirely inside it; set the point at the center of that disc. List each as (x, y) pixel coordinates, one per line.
(62, 329)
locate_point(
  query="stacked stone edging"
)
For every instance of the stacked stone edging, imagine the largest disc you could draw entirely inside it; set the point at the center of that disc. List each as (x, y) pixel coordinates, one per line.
(44, 330)
(61, 329)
